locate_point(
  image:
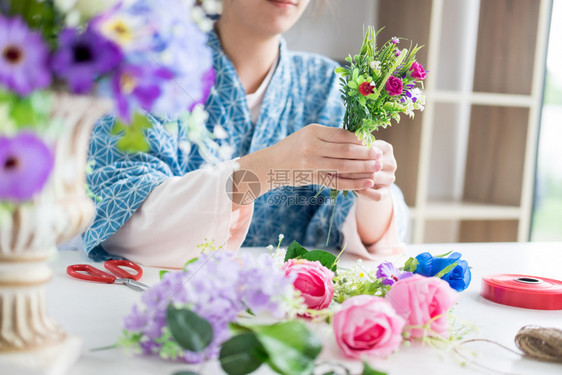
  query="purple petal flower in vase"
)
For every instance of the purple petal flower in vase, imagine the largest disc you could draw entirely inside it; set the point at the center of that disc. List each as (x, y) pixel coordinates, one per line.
(137, 86)
(83, 57)
(390, 274)
(24, 58)
(25, 164)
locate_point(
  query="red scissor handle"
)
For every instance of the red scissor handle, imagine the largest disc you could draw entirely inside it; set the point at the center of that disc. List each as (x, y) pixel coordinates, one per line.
(92, 273)
(115, 267)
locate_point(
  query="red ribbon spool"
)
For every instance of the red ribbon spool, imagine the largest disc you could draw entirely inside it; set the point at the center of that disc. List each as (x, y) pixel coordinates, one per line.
(529, 292)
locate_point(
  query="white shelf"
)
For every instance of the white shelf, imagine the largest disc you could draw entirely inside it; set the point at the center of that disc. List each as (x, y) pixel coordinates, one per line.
(443, 210)
(481, 98)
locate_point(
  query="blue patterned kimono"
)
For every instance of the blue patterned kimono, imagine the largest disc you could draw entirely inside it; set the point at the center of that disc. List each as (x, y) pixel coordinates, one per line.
(303, 90)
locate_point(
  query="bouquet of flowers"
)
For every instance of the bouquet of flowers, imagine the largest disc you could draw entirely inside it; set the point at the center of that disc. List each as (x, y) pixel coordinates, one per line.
(379, 85)
(141, 56)
(208, 310)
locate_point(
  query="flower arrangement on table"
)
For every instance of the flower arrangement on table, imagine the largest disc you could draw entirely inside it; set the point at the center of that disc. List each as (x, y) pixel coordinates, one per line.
(212, 308)
(141, 56)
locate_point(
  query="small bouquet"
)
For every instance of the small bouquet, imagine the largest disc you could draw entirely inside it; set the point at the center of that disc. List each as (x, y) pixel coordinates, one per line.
(207, 310)
(379, 84)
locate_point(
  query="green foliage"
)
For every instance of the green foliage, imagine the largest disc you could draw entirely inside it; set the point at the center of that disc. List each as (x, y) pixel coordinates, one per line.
(446, 270)
(346, 288)
(191, 331)
(39, 15)
(30, 111)
(162, 273)
(411, 265)
(132, 135)
(289, 348)
(297, 251)
(368, 370)
(242, 354)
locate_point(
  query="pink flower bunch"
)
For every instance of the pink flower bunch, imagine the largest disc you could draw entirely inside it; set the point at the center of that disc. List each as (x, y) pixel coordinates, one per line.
(368, 325)
(374, 326)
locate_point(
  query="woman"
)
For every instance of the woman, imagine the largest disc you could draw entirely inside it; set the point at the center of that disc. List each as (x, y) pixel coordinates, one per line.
(281, 111)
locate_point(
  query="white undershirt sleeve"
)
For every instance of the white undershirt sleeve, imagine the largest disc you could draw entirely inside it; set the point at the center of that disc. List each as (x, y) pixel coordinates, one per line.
(180, 214)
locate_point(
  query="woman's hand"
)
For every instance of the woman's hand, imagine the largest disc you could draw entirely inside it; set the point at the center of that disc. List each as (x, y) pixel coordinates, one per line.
(384, 177)
(334, 156)
(374, 207)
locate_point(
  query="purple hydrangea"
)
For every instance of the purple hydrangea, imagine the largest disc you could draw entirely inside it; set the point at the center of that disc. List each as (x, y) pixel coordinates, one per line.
(25, 164)
(217, 287)
(390, 274)
(24, 58)
(82, 57)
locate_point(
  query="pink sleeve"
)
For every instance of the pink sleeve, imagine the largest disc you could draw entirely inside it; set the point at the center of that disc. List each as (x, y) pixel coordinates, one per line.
(388, 245)
(180, 214)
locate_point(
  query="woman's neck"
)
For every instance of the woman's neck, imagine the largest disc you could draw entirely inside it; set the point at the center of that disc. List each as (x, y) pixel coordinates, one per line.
(252, 55)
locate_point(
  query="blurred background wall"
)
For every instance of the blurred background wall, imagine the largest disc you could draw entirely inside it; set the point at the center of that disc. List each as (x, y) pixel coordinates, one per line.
(467, 164)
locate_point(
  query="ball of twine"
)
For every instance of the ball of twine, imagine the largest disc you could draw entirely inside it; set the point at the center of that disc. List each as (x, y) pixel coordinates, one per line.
(540, 343)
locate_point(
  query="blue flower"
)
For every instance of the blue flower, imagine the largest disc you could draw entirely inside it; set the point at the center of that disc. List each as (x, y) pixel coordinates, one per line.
(458, 278)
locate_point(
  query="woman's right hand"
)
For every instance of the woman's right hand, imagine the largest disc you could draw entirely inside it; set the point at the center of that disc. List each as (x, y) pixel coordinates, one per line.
(333, 156)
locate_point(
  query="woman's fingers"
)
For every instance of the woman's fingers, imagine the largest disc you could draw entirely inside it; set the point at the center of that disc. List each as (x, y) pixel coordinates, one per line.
(335, 182)
(374, 194)
(348, 151)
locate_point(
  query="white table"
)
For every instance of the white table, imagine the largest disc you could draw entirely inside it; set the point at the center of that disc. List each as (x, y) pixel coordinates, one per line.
(94, 312)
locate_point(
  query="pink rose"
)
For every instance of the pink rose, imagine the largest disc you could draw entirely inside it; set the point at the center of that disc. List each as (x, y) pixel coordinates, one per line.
(313, 280)
(417, 71)
(393, 86)
(367, 325)
(420, 299)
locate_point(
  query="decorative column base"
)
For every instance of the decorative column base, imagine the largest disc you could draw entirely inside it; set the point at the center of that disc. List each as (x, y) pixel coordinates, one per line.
(56, 359)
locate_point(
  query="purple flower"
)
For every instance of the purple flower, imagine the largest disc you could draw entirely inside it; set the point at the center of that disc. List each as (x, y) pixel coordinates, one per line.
(217, 287)
(137, 86)
(83, 57)
(395, 40)
(390, 273)
(23, 57)
(25, 165)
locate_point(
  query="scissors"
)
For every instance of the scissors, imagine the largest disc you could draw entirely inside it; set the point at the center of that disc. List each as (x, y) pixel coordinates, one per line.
(97, 275)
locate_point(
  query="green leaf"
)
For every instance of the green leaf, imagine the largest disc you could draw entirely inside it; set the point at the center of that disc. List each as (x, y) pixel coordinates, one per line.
(411, 265)
(445, 270)
(191, 331)
(368, 370)
(192, 260)
(133, 138)
(162, 273)
(444, 255)
(242, 354)
(294, 250)
(334, 194)
(341, 70)
(291, 347)
(325, 258)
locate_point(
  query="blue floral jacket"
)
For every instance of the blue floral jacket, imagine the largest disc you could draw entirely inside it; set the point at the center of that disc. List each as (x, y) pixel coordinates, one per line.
(303, 90)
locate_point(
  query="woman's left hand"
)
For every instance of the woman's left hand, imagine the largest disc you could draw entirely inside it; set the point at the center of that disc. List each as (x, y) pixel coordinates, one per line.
(383, 178)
